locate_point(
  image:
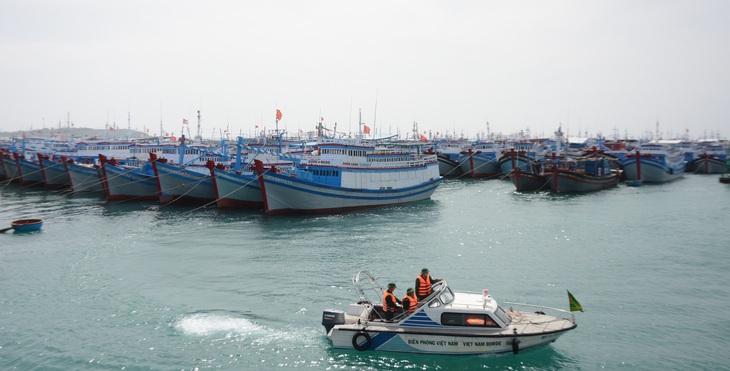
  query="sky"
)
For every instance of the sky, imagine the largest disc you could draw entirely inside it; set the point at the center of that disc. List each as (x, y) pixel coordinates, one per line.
(614, 67)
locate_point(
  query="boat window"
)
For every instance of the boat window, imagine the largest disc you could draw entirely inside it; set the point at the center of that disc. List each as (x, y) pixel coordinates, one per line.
(467, 319)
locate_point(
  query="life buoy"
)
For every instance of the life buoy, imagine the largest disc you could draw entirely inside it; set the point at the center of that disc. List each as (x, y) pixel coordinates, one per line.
(356, 341)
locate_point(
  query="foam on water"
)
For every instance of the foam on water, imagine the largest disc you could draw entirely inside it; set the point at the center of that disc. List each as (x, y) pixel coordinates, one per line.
(206, 324)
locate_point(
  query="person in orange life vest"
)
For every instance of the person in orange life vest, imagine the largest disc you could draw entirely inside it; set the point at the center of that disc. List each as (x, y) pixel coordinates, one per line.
(410, 301)
(390, 302)
(424, 284)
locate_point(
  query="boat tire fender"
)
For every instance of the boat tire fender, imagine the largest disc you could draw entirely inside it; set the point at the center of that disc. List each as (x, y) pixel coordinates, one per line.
(356, 341)
(515, 346)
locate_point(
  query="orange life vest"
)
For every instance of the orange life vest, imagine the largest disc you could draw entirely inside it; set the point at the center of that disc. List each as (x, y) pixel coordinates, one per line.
(412, 301)
(385, 301)
(424, 285)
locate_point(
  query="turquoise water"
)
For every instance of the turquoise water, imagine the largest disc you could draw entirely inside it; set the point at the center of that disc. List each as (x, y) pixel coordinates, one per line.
(137, 286)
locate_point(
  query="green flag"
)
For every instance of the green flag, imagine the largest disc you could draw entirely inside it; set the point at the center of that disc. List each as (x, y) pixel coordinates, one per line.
(574, 304)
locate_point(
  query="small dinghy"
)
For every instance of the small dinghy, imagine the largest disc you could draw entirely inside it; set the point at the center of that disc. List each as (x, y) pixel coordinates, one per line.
(24, 225)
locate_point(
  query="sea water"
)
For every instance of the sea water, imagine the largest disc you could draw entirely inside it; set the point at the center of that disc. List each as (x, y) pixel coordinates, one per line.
(135, 285)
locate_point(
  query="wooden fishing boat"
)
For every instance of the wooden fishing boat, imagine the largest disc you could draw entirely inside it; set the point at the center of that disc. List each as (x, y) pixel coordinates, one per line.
(528, 181)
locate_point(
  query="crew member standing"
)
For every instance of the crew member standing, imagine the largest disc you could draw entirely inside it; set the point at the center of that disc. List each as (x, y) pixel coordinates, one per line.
(424, 284)
(390, 302)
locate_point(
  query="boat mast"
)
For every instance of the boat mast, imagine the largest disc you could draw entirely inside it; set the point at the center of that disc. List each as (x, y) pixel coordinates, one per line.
(129, 124)
(198, 136)
(359, 121)
(161, 137)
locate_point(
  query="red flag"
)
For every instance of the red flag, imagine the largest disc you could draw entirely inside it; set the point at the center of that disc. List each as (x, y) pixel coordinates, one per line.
(423, 139)
(257, 126)
(185, 121)
(366, 129)
(278, 115)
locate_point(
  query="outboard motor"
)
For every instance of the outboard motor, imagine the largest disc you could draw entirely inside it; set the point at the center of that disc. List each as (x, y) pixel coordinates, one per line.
(332, 317)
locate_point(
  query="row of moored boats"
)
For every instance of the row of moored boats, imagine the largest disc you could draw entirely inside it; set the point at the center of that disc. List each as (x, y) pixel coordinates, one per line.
(580, 164)
(275, 174)
(326, 175)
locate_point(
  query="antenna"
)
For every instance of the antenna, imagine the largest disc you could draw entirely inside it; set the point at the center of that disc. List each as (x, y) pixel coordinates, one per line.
(375, 114)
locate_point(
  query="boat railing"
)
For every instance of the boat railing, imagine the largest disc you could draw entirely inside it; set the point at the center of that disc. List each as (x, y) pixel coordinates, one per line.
(364, 282)
(417, 162)
(558, 314)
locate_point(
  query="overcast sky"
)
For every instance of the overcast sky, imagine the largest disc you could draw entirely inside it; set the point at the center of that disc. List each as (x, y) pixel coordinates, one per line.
(451, 66)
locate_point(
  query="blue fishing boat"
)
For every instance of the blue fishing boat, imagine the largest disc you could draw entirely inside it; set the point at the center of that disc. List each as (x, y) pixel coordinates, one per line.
(238, 187)
(581, 175)
(349, 175)
(126, 182)
(653, 163)
(522, 154)
(54, 173)
(710, 159)
(29, 172)
(10, 167)
(481, 160)
(189, 183)
(528, 180)
(448, 153)
(83, 177)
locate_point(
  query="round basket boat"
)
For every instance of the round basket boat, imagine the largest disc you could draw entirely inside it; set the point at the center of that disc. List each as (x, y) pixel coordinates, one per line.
(27, 225)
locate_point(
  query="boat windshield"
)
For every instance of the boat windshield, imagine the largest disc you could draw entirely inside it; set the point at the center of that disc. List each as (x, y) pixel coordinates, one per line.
(502, 315)
(447, 296)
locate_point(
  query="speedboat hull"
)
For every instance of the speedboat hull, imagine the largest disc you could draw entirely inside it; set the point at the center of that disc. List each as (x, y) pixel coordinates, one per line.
(434, 343)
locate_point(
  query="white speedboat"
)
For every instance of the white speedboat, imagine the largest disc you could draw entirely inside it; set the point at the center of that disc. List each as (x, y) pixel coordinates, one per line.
(446, 322)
